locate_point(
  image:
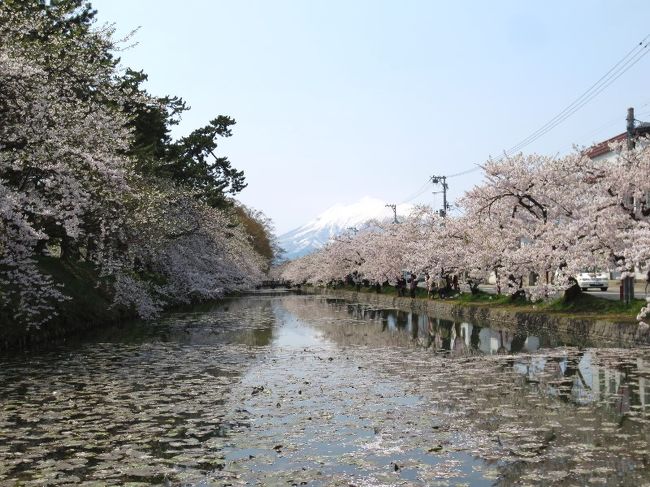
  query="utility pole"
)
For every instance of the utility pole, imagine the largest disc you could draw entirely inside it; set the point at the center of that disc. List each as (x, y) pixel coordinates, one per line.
(630, 128)
(627, 283)
(394, 208)
(442, 180)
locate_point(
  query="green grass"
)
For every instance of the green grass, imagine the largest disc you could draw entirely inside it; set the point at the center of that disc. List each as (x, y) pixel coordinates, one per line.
(583, 305)
(588, 304)
(486, 298)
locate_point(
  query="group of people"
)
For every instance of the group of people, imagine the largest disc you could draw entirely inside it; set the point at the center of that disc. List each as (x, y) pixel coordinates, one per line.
(401, 283)
(443, 286)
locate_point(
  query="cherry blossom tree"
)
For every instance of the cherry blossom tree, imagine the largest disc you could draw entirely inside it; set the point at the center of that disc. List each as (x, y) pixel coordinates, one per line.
(76, 180)
(195, 252)
(619, 225)
(62, 175)
(534, 222)
(517, 220)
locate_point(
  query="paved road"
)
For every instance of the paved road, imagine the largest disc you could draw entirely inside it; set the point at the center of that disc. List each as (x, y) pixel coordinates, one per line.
(611, 293)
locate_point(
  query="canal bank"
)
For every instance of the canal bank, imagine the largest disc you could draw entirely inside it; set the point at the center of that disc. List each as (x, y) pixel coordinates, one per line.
(578, 331)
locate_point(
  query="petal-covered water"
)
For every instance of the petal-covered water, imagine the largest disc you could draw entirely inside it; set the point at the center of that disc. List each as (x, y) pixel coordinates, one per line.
(302, 390)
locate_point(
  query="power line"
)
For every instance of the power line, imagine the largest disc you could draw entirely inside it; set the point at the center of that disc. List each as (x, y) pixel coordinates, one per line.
(419, 192)
(581, 139)
(462, 173)
(620, 68)
(607, 79)
(615, 72)
(569, 114)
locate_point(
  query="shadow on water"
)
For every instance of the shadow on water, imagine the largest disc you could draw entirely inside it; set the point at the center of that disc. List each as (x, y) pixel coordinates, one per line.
(247, 321)
(141, 402)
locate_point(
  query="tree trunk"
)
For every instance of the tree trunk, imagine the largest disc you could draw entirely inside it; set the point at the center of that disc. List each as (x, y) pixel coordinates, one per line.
(573, 292)
(69, 249)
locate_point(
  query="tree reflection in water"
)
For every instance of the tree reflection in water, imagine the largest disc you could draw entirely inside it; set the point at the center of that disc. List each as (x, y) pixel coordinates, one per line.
(542, 359)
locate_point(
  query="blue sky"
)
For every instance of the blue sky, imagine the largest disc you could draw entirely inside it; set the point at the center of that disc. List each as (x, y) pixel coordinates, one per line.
(335, 100)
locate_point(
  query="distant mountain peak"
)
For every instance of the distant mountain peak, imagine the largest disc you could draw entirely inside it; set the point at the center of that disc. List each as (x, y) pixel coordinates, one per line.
(335, 221)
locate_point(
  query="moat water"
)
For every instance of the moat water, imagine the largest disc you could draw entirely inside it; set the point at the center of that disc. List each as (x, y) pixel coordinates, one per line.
(310, 390)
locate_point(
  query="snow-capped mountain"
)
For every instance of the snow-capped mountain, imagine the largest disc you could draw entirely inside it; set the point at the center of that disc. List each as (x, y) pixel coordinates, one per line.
(335, 221)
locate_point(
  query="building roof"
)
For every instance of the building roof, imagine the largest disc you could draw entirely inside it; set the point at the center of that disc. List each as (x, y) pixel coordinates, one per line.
(604, 147)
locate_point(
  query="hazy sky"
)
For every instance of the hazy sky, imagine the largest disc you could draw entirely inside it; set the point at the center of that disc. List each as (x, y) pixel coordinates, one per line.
(335, 100)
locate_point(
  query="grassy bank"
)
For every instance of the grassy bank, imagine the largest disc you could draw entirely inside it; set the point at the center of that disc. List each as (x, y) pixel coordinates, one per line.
(582, 306)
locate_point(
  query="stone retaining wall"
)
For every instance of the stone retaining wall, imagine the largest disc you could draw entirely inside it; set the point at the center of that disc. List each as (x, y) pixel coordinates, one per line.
(572, 331)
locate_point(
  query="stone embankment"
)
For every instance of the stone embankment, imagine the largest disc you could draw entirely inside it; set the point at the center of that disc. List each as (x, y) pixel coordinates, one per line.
(570, 330)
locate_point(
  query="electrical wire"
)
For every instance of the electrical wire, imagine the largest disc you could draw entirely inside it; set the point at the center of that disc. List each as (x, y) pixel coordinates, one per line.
(423, 189)
(582, 138)
(620, 68)
(468, 171)
(613, 74)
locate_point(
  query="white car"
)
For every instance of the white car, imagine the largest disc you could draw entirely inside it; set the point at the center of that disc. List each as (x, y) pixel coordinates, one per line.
(593, 279)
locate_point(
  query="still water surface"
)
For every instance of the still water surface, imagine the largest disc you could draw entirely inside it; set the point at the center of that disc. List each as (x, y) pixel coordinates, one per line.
(304, 390)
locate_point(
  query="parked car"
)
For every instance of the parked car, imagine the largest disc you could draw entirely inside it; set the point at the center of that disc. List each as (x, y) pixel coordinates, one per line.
(588, 279)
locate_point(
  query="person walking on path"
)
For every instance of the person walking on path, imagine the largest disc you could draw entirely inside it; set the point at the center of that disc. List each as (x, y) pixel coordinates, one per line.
(442, 287)
(647, 281)
(413, 284)
(429, 281)
(400, 284)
